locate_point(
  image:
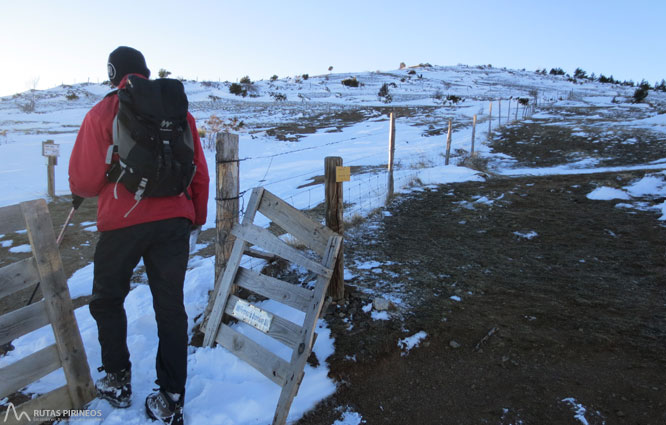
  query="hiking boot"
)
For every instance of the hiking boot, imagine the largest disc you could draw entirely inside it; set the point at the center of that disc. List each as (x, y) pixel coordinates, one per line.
(162, 407)
(116, 388)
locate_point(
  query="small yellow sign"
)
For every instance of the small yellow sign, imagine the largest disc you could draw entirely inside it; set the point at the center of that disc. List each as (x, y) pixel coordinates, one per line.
(342, 174)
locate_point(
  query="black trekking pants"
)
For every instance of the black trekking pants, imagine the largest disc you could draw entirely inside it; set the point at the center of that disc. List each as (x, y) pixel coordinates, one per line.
(164, 246)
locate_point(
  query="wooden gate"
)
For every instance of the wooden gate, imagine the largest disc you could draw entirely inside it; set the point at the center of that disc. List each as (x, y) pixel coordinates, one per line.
(44, 266)
(324, 243)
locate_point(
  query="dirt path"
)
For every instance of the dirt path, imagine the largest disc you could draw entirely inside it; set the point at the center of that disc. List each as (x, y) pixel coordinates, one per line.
(574, 289)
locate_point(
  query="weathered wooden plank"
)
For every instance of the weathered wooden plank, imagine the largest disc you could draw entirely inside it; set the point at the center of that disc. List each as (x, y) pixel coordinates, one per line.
(250, 252)
(17, 276)
(314, 235)
(217, 308)
(11, 219)
(270, 365)
(29, 369)
(57, 399)
(281, 329)
(224, 289)
(266, 240)
(58, 304)
(275, 289)
(300, 355)
(22, 321)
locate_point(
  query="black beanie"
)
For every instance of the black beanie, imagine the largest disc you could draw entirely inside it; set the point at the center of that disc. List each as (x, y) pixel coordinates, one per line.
(126, 60)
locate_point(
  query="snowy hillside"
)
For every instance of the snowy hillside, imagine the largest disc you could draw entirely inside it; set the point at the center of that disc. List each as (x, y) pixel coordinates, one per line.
(290, 125)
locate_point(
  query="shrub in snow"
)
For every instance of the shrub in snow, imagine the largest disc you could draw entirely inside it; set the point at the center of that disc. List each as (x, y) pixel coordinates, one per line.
(384, 94)
(245, 80)
(453, 98)
(402, 65)
(163, 73)
(71, 96)
(274, 77)
(278, 97)
(237, 89)
(305, 76)
(640, 94)
(350, 82)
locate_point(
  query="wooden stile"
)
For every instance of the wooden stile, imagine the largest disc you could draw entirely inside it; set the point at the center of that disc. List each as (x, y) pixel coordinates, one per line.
(298, 337)
(55, 309)
(17, 276)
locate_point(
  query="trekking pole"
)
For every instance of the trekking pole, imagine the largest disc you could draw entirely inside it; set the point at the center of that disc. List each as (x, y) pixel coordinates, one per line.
(76, 203)
(64, 226)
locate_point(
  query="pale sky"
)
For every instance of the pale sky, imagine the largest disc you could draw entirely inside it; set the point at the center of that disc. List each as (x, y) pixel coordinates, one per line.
(68, 41)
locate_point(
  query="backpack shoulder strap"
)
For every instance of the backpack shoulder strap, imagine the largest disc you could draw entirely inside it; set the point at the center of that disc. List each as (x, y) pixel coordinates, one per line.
(111, 93)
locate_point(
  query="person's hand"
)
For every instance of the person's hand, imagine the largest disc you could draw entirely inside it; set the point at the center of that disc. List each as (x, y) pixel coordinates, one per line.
(76, 201)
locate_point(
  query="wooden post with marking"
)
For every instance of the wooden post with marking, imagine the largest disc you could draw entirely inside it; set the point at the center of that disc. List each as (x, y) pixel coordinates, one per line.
(490, 118)
(391, 142)
(448, 144)
(473, 134)
(227, 190)
(334, 221)
(50, 151)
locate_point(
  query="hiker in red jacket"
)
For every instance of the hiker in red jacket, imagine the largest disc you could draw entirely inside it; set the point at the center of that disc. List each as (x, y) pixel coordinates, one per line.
(156, 229)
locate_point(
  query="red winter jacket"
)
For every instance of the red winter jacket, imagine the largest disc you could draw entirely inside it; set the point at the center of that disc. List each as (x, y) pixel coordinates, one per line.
(87, 168)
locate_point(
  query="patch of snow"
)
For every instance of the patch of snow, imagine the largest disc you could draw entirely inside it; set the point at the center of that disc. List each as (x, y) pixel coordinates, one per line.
(20, 248)
(606, 193)
(406, 344)
(380, 315)
(526, 235)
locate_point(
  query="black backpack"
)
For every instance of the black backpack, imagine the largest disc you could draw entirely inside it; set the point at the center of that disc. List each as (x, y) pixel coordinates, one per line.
(152, 140)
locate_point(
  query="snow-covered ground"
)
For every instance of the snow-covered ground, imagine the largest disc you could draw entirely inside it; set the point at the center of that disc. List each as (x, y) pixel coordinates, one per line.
(282, 148)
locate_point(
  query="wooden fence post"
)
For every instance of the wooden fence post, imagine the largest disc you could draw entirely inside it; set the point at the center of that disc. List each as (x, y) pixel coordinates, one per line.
(473, 134)
(391, 142)
(490, 118)
(517, 108)
(227, 190)
(334, 221)
(499, 113)
(448, 144)
(50, 151)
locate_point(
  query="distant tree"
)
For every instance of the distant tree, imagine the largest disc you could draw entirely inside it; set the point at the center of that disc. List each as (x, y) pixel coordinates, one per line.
(661, 86)
(580, 74)
(330, 68)
(245, 80)
(274, 77)
(641, 93)
(402, 65)
(163, 73)
(305, 76)
(556, 71)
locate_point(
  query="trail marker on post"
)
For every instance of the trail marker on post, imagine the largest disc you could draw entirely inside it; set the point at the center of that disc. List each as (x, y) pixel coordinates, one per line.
(51, 151)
